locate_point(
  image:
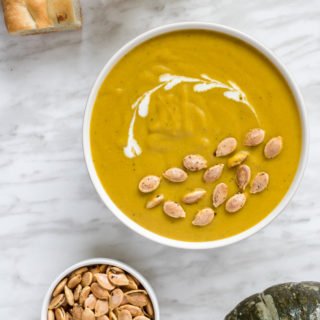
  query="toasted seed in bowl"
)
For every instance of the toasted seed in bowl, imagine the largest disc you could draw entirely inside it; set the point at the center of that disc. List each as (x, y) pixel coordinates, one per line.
(155, 201)
(109, 292)
(213, 173)
(236, 202)
(238, 158)
(243, 176)
(254, 137)
(175, 175)
(173, 210)
(220, 194)
(194, 162)
(203, 217)
(273, 147)
(149, 184)
(226, 147)
(260, 182)
(194, 196)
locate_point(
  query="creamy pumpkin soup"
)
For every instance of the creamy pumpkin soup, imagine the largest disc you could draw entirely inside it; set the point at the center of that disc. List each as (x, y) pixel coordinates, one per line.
(195, 135)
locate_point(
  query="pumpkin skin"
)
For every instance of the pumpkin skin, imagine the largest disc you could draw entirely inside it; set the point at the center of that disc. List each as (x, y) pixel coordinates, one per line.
(287, 301)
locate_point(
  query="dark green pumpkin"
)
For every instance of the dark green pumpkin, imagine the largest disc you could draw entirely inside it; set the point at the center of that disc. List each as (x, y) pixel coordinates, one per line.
(287, 301)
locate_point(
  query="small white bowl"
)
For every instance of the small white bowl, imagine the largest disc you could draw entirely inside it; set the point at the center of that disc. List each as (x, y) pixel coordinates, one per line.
(86, 134)
(111, 262)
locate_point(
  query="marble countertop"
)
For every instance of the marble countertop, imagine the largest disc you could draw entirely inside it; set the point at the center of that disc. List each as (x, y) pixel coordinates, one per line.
(50, 214)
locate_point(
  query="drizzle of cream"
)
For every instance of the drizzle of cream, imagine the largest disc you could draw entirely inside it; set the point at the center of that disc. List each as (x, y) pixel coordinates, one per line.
(169, 81)
(144, 101)
(132, 149)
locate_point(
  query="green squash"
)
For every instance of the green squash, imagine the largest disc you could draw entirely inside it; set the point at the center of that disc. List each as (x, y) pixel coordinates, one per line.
(288, 301)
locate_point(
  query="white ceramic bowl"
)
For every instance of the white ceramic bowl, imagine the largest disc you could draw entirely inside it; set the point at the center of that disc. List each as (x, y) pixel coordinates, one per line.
(86, 134)
(90, 262)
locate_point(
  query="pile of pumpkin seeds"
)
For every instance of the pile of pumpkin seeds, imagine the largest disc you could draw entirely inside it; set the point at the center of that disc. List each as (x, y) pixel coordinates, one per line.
(100, 292)
(220, 194)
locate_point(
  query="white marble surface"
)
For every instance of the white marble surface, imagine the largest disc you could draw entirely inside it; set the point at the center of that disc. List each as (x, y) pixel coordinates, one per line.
(50, 215)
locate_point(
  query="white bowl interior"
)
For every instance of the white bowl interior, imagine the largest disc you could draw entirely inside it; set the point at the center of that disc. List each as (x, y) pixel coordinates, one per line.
(86, 134)
(90, 262)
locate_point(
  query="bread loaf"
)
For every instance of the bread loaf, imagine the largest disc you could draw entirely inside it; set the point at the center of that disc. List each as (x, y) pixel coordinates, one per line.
(37, 16)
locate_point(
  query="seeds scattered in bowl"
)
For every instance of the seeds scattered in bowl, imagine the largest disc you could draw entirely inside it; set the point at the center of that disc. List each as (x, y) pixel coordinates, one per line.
(109, 293)
(196, 162)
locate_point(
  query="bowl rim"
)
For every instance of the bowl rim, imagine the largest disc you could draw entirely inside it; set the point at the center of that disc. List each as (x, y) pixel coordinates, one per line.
(94, 261)
(235, 34)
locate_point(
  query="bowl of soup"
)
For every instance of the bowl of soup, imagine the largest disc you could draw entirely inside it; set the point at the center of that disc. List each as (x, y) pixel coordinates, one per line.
(195, 135)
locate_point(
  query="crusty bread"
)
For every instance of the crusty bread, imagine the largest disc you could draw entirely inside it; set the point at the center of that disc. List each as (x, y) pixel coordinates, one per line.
(37, 16)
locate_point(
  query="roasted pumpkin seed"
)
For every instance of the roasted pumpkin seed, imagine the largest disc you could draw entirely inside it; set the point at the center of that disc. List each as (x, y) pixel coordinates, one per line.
(236, 202)
(79, 271)
(133, 283)
(74, 281)
(137, 298)
(77, 312)
(135, 311)
(226, 147)
(243, 176)
(203, 217)
(59, 314)
(90, 302)
(175, 175)
(57, 301)
(254, 137)
(124, 315)
(69, 296)
(194, 196)
(51, 315)
(238, 158)
(155, 201)
(76, 292)
(149, 184)
(101, 308)
(213, 173)
(103, 281)
(104, 317)
(84, 294)
(88, 314)
(116, 298)
(87, 278)
(273, 147)
(99, 292)
(259, 183)
(220, 194)
(60, 287)
(117, 279)
(173, 210)
(194, 162)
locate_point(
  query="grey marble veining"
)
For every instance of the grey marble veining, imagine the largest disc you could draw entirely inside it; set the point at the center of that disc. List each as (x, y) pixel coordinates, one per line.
(50, 214)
